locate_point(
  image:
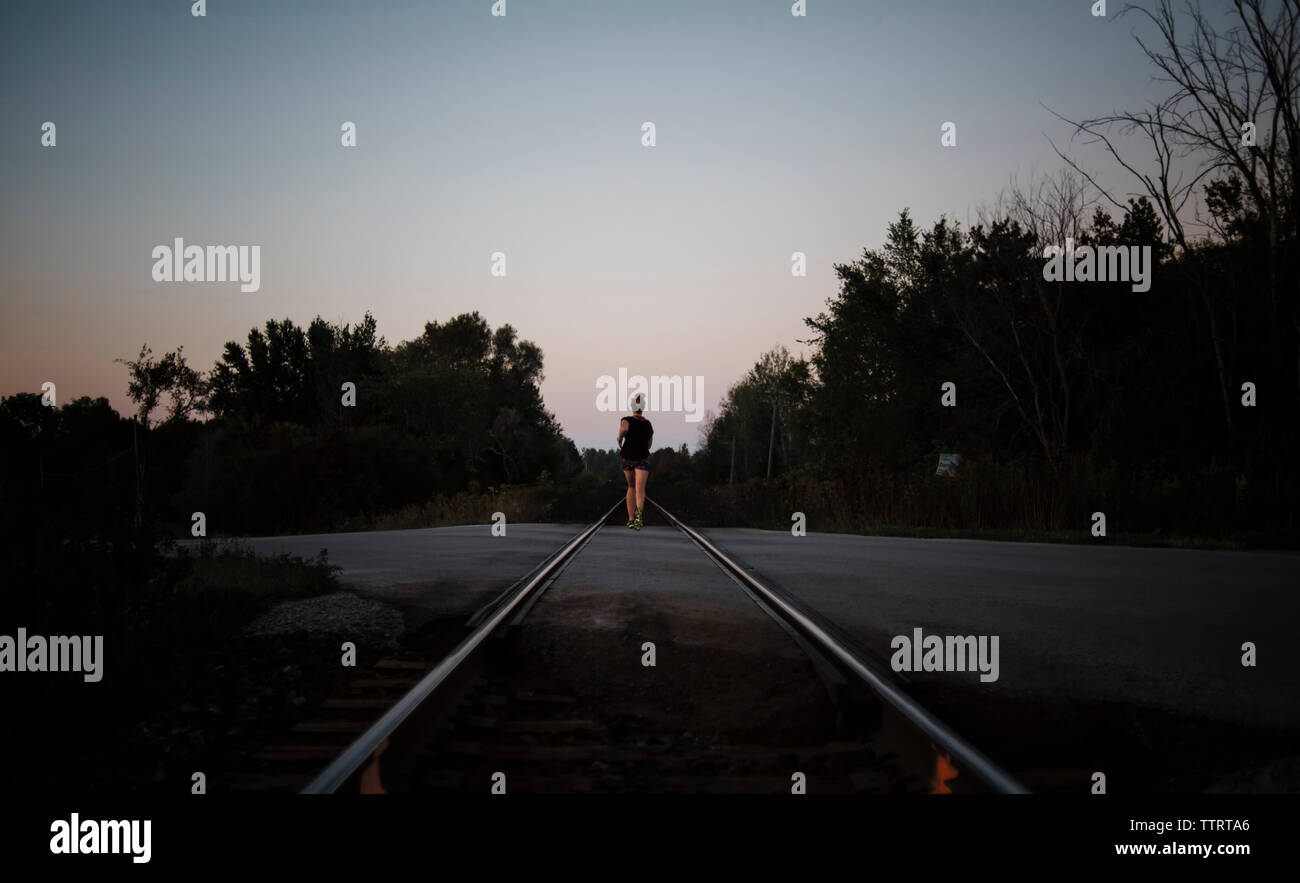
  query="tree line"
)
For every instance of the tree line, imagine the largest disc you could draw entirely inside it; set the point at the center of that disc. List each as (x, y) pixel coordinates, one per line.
(1178, 406)
(296, 428)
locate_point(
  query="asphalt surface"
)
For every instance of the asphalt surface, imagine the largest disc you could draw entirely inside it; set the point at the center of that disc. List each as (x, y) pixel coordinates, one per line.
(1131, 648)
(1117, 660)
(1159, 627)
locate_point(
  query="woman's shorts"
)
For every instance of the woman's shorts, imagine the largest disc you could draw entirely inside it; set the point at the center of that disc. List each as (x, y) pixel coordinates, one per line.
(629, 465)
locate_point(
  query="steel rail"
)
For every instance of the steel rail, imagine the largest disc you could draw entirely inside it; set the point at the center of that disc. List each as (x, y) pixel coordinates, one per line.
(943, 736)
(361, 752)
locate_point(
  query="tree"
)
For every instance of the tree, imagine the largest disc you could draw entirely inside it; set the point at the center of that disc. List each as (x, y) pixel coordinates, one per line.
(782, 382)
(150, 379)
(1233, 112)
(268, 379)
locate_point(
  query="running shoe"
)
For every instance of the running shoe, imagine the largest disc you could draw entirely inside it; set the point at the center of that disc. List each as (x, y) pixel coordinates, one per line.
(637, 523)
(629, 523)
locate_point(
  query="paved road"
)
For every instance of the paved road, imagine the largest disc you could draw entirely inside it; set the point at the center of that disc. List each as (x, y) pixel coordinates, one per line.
(1119, 660)
(1162, 627)
(1096, 644)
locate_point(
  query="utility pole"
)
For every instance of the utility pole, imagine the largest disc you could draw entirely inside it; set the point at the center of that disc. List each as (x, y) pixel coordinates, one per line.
(139, 490)
(771, 437)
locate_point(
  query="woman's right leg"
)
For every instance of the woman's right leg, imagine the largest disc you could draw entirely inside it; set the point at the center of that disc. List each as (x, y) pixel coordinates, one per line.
(631, 493)
(642, 476)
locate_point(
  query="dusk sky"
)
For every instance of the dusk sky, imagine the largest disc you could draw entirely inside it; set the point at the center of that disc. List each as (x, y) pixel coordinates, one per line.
(522, 134)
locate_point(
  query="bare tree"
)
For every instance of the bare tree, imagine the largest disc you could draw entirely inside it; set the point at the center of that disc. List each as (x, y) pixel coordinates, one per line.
(780, 381)
(504, 435)
(1029, 331)
(1234, 109)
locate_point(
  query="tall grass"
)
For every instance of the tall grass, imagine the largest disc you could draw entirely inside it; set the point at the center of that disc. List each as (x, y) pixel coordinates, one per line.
(522, 503)
(1029, 501)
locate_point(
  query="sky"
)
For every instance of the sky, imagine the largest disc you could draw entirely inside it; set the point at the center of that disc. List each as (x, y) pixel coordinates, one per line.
(519, 134)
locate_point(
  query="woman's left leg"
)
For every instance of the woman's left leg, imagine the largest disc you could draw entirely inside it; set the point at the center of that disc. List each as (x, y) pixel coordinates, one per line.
(629, 474)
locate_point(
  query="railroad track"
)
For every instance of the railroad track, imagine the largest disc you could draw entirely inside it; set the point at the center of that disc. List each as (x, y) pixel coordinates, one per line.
(943, 750)
(498, 713)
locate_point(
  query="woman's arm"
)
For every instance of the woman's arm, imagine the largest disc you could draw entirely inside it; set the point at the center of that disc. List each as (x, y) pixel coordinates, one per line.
(622, 431)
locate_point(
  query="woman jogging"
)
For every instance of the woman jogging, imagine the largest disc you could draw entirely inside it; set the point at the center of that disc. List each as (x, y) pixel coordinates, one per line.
(635, 434)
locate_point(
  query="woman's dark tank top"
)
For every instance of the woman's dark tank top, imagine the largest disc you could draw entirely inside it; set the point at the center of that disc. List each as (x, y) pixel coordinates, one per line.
(636, 443)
